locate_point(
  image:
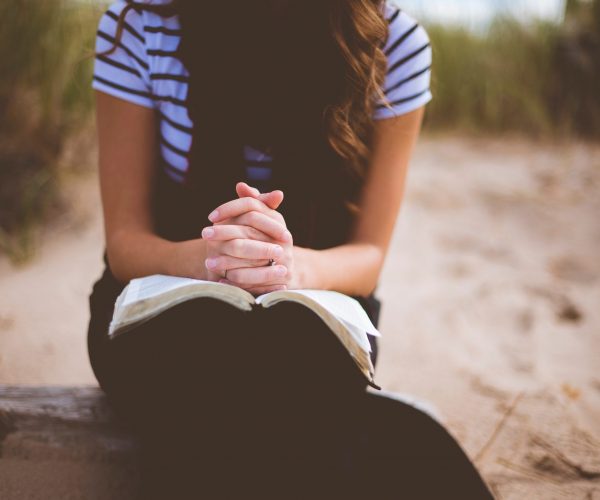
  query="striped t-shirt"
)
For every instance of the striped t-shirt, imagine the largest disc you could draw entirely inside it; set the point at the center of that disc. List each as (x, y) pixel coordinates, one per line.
(144, 70)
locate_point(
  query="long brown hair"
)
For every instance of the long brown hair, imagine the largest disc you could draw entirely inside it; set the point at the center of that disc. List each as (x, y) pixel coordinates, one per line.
(302, 78)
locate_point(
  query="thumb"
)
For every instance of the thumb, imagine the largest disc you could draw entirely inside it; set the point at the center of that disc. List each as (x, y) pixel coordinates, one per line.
(244, 190)
(272, 199)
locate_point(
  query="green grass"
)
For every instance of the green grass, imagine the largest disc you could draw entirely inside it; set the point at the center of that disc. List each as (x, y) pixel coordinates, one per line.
(44, 98)
(539, 80)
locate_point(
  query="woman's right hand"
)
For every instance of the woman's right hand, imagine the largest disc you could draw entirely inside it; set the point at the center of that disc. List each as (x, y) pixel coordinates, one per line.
(237, 246)
(249, 242)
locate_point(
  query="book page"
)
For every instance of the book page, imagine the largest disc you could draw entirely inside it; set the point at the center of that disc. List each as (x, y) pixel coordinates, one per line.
(359, 335)
(340, 305)
(144, 298)
(152, 286)
(344, 316)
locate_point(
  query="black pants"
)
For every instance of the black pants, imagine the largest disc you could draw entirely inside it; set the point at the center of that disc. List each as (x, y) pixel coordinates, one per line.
(266, 404)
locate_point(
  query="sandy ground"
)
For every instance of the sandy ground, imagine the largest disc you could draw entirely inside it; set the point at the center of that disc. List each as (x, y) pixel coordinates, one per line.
(491, 311)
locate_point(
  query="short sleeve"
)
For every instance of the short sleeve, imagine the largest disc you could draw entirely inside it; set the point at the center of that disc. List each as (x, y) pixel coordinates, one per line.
(124, 72)
(408, 76)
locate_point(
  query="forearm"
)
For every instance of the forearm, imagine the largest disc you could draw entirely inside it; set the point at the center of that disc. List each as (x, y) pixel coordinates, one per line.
(352, 269)
(133, 254)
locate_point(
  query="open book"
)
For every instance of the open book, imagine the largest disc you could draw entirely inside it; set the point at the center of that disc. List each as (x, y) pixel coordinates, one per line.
(145, 298)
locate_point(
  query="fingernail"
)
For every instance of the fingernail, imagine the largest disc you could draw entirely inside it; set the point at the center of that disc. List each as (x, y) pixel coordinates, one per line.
(281, 271)
(213, 215)
(208, 232)
(278, 251)
(211, 263)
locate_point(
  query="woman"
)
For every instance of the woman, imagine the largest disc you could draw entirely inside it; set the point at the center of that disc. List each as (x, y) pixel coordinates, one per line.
(322, 99)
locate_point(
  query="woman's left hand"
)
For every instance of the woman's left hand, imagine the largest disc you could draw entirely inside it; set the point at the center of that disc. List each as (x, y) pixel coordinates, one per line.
(245, 211)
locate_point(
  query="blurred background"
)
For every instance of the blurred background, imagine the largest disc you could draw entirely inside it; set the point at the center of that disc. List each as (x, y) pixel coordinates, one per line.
(491, 291)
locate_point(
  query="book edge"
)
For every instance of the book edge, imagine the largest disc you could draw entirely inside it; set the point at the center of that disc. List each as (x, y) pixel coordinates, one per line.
(361, 357)
(124, 320)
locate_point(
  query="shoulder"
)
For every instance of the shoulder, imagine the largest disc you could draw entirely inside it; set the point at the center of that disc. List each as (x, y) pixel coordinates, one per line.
(408, 53)
(141, 19)
(123, 66)
(406, 34)
(132, 20)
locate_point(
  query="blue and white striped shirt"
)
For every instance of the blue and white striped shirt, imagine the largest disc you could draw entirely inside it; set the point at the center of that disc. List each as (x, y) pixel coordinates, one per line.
(144, 70)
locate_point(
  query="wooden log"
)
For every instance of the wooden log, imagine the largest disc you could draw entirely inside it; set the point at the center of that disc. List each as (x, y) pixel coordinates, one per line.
(63, 443)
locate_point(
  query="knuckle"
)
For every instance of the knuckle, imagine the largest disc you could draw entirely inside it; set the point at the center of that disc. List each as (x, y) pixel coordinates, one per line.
(253, 217)
(232, 275)
(278, 272)
(238, 220)
(255, 234)
(251, 203)
(282, 234)
(242, 278)
(273, 251)
(237, 246)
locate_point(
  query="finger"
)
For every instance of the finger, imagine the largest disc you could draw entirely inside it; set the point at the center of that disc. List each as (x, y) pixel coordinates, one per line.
(251, 249)
(272, 199)
(261, 222)
(225, 232)
(242, 189)
(238, 207)
(223, 263)
(257, 290)
(257, 276)
(235, 208)
(266, 289)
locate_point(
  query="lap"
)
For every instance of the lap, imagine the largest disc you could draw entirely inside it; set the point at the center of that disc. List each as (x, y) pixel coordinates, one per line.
(283, 359)
(282, 333)
(270, 396)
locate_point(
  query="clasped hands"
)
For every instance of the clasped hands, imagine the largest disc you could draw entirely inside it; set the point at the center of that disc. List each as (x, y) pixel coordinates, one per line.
(246, 234)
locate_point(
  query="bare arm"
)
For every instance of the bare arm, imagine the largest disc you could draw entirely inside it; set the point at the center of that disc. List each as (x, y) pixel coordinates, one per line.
(128, 151)
(382, 195)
